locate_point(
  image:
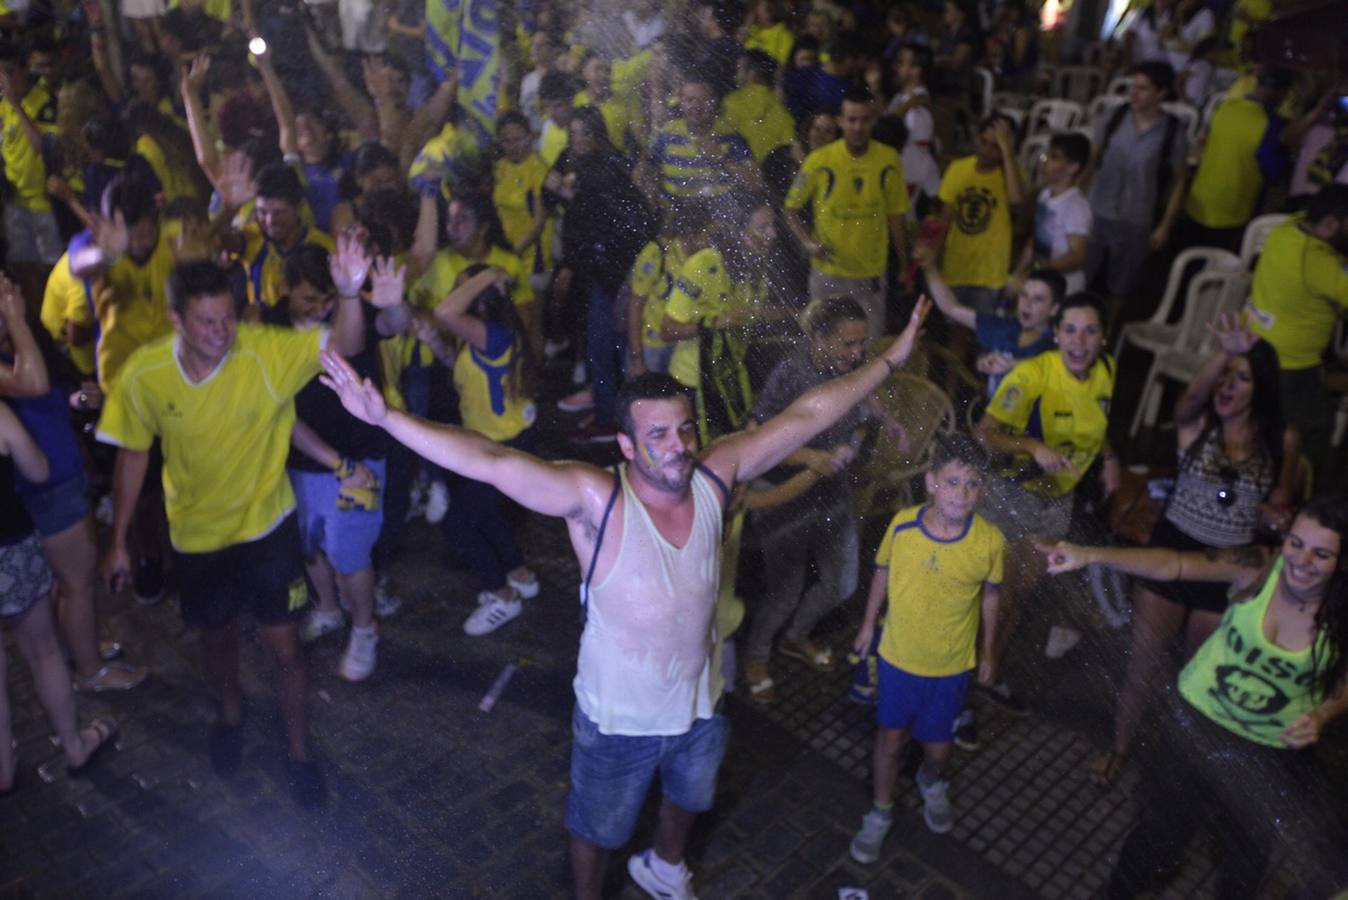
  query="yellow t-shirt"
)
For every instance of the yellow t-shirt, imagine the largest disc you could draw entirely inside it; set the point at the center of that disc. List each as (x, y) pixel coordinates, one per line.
(620, 120)
(225, 439)
(1300, 288)
(438, 280)
(174, 181)
(265, 263)
(68, 300)
(653, 280)
(1244, 12)
(486, 402)
(1228, 182)
(853, 196)
(24, 168)
(131, 305)
(1040, 398)
(552, 142)
(703, 290)
(776, 40)
(935, 591)
(755, 112)
(518, 194)
(978, 244)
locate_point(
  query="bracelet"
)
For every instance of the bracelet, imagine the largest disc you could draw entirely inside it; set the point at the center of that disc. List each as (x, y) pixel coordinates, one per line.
(345, 468)
(889, 365)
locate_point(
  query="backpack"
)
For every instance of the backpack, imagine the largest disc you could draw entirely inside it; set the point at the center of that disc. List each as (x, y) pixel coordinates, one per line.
(1162, 161)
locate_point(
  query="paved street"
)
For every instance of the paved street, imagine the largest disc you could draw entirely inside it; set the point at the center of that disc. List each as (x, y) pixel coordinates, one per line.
(431, 797)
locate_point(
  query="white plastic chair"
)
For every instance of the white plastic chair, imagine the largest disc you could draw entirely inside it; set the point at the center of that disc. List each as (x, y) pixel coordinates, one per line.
(1077, 83)
(1004, 100)
(1103, 106)
(1017, 116)
(1053, 115)
(984, 83)
(1210, 108)
(1252, 241)
(1189, 117)
(1120, 85)
(1211, 293)
(1031, 149)
(1158, 334)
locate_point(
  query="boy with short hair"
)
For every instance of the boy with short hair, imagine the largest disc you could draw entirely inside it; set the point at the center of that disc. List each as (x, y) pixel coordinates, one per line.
(1062, 215)
(939, 565)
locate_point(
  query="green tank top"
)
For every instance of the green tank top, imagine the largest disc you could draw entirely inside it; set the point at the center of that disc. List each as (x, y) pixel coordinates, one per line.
(1243, 681)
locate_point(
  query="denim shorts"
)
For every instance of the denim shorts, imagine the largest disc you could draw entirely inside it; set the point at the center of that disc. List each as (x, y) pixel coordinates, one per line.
(923, 706)
(57, 507)
(346, 536)
(612, 773)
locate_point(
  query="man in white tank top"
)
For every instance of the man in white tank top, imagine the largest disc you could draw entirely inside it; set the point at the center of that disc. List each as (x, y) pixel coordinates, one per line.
(649, 546)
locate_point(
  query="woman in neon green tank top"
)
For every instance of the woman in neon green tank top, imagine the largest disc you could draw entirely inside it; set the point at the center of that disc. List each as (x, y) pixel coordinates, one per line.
(1261, 688)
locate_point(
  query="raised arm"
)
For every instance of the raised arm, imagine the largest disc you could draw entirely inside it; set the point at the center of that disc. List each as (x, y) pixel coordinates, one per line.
(198, 123)
(281, 106)
(353, 103)
(1006, 142)
(562, 489)
(747, 454)
(945, 298)
(453, 310)
(27, 375)
(1232, 340)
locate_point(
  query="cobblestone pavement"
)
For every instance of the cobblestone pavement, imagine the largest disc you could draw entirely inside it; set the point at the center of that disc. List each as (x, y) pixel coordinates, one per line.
(431, 797)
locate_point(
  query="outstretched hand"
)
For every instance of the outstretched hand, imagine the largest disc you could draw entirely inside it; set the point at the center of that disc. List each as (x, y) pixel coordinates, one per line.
(11, 301)
(1063, 557)
(360, 396)
(349, 265)
(902, 348)
(235, 181)
(1234, 338)
(388, 280)
(111, 236)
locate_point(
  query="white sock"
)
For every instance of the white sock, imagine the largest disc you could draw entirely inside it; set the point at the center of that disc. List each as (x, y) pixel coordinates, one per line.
(670, 872)
(367, 630)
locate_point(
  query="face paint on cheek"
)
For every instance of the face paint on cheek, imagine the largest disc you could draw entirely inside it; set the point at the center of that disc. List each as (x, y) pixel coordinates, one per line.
(650, 454)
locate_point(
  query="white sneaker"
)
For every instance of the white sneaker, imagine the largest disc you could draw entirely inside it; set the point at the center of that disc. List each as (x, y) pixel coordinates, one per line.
(865, 847)
(320, 623)
(358, 660)
(936, 809)
(492, 612)
(385, 603)
(527, 590)
(639, 867)
(578, 374)
(437, 502)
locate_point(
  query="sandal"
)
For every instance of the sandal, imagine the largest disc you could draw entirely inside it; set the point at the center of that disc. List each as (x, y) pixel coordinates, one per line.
(1105, 768)
(109, 650)
(107, 735)
(115, 676)
(817, 657)
(761, 685)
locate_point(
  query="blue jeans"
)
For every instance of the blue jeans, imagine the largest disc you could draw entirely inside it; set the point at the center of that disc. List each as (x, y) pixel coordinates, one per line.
(604, 351)
(611, 774)
(478, 528)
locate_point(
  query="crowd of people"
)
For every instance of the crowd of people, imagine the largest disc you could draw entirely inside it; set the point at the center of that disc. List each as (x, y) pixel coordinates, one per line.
(271, 290)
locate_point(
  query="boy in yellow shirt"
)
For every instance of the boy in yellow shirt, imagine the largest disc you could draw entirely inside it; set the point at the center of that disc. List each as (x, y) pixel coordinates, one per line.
(940, 567)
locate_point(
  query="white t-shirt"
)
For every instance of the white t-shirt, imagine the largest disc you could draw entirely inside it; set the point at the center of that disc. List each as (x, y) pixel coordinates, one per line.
(921, 173)
(1057, 218)
(1317, 138)
(1200, 26)
(1197, 82)
(1147, 39)
(529, 104)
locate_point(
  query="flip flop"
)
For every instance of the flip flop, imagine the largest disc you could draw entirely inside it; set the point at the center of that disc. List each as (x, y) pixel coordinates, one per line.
(107, 736)
(816, 657)
(763, 691)
(98, 683)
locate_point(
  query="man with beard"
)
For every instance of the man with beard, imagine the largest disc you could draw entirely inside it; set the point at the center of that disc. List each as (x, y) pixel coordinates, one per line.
(645, 701)
(818, 527)
(277, 230)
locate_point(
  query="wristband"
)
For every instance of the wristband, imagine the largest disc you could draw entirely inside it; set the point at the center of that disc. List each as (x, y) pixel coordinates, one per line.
(889, 365)
(345, 468)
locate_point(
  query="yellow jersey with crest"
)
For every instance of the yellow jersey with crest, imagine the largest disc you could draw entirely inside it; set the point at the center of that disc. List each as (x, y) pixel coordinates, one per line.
(518, 196)
(225, 438)
(265, 262)
(131, 305)
(24, 168)
(935, 591)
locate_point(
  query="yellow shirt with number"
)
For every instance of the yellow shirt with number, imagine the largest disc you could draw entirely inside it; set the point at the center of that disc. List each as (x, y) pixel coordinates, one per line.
(488, 402)
(436, 283)
(935, 592)
(703, 290)
(225, 439)
(978, 244)
(853, 198)
(755, 112)
(653, 280)
(518, 195)
(1300, 288)
(67, 300)
(131, 305)
(24, 168)
(265, 263)
(1043, 400)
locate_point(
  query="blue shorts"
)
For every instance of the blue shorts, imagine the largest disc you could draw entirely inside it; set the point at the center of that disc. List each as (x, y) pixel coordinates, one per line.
(925, 707)
(54, 508)
(612, 773)
(346, 536)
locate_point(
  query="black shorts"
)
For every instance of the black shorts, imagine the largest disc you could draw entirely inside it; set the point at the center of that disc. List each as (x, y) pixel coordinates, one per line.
(263, 576)
(1210, 596)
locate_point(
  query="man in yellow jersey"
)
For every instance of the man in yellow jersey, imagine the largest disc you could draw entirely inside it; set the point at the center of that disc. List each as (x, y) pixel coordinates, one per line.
(220, 398)
(1300, 290)
(856, 189)
(621, 118)
(696, 156)
(557, 97)
(27, 110)
(648, 540)
(67, 311)
(276, 230)
(754, 111)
